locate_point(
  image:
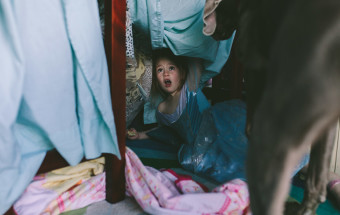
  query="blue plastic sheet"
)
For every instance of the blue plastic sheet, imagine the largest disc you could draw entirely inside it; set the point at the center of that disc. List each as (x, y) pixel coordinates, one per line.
(220, 147)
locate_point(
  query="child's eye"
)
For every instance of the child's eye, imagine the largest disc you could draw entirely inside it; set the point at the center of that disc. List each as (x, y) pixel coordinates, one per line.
(159, 70)
(172, 68)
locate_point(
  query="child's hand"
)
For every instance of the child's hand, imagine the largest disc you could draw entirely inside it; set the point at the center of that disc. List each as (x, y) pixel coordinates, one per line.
(132, 134)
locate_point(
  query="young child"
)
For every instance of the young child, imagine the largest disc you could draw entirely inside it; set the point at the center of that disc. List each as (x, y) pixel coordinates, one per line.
(185, 110)
(169, 75)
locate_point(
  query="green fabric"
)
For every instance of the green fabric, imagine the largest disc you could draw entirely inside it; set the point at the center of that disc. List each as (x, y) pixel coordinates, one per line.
(156, 155)
(325, 208)
(160, 163)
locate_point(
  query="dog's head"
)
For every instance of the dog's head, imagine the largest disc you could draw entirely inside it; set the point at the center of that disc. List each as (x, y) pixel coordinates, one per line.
(220, 18)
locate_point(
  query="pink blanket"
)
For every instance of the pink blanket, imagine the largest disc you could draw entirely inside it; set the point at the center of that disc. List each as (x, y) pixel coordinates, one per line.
(39, 200)
(165, 192)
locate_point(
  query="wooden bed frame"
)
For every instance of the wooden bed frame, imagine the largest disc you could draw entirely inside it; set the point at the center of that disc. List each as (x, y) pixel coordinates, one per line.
(114, 42)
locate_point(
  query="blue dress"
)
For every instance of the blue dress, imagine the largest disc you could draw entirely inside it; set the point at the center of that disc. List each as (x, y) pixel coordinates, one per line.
(215, 142)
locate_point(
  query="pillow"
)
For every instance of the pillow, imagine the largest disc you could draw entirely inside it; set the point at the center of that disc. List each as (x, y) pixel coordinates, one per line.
(138, 74)
(138, 83)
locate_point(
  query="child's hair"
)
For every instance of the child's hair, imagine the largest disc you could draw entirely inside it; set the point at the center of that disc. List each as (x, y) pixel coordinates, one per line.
(179, 62)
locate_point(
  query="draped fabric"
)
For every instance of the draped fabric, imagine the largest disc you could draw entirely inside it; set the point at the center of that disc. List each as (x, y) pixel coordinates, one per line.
(54, 88)
(168, 193)
(178, 25)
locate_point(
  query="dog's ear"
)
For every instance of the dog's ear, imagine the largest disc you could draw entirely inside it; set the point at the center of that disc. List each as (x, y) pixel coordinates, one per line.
(209, 17)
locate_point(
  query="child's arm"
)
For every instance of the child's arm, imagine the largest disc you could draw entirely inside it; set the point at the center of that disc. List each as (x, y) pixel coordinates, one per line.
(133, 134)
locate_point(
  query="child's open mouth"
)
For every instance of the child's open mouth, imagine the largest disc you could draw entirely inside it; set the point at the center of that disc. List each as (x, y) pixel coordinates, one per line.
(167, 83)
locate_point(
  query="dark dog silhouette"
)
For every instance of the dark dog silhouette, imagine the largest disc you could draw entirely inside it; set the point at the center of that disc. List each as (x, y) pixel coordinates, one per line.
(290, 51)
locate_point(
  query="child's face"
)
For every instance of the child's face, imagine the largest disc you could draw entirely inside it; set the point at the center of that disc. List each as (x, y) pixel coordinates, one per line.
(168, 76)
